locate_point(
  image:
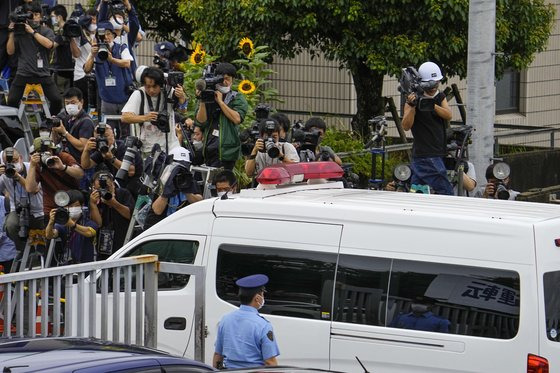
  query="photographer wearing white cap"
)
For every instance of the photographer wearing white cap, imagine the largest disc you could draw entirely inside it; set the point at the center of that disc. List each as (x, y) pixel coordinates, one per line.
(427, 123)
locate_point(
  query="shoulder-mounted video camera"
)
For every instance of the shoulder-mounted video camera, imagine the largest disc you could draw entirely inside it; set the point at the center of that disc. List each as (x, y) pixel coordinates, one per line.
(72, 28)
(211, 79)
(411, 82)
(19, 17)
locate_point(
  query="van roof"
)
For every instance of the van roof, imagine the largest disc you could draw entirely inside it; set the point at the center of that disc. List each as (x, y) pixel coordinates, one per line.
(359, 199)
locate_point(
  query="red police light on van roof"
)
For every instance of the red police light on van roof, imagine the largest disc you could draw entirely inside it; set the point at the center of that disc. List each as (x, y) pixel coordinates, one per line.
(295, 172)
(537, 364)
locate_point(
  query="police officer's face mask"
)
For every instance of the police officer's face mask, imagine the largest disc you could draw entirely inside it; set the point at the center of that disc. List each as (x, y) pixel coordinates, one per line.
(261, 305)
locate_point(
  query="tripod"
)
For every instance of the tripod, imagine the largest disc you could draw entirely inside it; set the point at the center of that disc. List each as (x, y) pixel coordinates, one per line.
(376, 147)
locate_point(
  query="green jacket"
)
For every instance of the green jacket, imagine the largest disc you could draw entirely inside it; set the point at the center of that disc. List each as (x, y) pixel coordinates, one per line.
(230, 145)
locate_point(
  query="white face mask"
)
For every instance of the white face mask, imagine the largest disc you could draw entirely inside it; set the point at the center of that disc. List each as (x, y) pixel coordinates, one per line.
(75, 212)
(117, 24)
(44, 135)
(54, 20)
(223, 89)
(92, 28)
(261, 305)
(197, 145)
(72, 109)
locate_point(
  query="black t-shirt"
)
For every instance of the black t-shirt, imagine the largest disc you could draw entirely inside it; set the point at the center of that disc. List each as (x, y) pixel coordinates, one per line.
(429, 133)
(115, 221)
(62, 57)
(118, 151)
(81, 127)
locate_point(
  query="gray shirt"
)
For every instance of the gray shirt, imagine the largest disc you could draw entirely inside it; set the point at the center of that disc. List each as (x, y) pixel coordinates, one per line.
(31, 54)
(35, 199)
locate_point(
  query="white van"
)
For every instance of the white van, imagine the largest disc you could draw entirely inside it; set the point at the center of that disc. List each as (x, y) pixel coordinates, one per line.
(345, 266)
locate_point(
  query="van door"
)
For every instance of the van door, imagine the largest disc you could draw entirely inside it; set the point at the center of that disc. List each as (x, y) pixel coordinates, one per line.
(299, 258)
(175, 292)
(547, 236)
(401, 315)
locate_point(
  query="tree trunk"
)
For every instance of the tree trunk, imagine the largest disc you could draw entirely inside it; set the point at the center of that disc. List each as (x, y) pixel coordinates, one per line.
(369, 85)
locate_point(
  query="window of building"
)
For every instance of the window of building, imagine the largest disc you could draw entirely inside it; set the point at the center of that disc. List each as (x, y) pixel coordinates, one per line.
(552, 305)
(507, 92)
(297, 279)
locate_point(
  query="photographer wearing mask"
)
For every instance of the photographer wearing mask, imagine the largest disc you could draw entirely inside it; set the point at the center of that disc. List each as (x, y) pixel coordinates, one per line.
(79, 123)
(220, 120)
(174, 197)
(196, 139)
(225, 182)
(268, 150)
(112, 72)
(64, 48)
(84, 43)
(284, 125)
(110, 208)
(127, 30)
(31, 42)
(146, 103)
(12, 183)
(51, 172)
(496, 188)
(322, 152)
(78, 233)
(429, 131)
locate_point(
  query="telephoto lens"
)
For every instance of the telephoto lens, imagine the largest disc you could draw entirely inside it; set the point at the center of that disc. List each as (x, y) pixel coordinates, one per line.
(271, 148)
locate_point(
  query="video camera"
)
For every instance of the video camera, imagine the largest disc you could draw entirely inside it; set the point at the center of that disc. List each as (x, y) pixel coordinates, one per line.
(379, 129)
(19, 17)
(72, 28)
(116, 6)
(133, 146)
(411, 82)
(161, 62)
(102, 144)
(208, 83)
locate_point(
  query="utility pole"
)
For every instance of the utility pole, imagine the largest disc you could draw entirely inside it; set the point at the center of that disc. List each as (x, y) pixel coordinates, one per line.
(480, 83)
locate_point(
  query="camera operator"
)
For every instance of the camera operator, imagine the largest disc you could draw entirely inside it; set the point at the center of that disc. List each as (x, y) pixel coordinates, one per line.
(110, 208)
(220, 120)
(428, 129)
(196, 139)
(284, 125)
(88, 22)
(64, 48)
(78, 233)
(126, 30)
(322, 152)
(6, 8)
(174, 197)
(497, 188)
(31, 42)
(51, 172)
(268, 150)
(168, 56)
(79, 123)
(145, 106)
(12, 184)
(112, 72)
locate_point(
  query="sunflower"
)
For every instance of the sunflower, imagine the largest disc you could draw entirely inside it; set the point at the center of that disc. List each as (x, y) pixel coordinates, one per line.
(197, 56)
(246, 87)
(246, 45)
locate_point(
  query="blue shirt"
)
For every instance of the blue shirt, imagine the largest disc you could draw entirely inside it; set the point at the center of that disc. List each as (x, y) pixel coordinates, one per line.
(80, 246)
(427, 322)
(245, 339)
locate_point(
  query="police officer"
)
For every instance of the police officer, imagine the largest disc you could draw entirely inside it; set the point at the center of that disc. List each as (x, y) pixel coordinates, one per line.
(421, 317)
(245, 338)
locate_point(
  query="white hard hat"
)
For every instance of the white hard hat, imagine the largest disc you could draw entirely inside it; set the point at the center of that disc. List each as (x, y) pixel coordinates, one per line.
(138, 74)
(430, 71)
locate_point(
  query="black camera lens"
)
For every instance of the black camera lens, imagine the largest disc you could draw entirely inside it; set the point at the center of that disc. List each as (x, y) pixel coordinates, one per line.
(502, 192)
(10, 170)
(61, 216)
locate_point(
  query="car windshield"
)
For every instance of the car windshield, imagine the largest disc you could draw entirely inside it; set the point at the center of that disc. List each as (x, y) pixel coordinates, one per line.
(551, 282)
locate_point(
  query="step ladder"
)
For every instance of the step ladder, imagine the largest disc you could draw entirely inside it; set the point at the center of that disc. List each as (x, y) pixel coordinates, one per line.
(33, 97)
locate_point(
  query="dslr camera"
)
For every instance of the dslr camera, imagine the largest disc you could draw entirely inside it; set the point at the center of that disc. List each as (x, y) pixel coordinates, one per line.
(10, 167)
(270, 147)
(211, 78)
(103, 52)
(102, 144)
(63, 199)
(47, 159)
(411, 82)
(250, 135)
(53, 122)
(104, 188)
(133, 146)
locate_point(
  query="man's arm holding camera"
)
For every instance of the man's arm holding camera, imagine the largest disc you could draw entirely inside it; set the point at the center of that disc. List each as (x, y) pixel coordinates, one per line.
(31, 183)
(409, 112)
(230, 113)
(131, 111)
(50, 232)
(124, 63)
(11, 45)
(443, 111)
(78, 143)
(94, 213)
(43, 40)
(251, 161)
(88, 65)
(75, 48)
(85, 159)
(74, 171)
(201, 115)
(160, 203)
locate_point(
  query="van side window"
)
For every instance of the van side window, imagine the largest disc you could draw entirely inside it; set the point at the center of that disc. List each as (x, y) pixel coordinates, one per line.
(551, 284)
(298, 279)
(453, 299)
(361, 290)
(174, 251)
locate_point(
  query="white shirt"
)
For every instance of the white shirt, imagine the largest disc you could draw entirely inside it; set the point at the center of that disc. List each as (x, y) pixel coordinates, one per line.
(85, 50)
(471, 173)
(150, 134)
(263, 160)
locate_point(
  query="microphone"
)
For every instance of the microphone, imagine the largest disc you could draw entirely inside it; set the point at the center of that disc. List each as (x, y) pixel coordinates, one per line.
(200, 84)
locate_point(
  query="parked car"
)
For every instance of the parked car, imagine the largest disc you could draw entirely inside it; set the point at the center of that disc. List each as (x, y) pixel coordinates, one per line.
(85, 355)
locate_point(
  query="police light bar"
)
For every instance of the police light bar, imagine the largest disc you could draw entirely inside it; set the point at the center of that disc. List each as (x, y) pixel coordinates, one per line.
(295, 172)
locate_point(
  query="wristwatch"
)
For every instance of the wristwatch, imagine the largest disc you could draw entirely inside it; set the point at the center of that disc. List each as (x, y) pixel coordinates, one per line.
(65, 134)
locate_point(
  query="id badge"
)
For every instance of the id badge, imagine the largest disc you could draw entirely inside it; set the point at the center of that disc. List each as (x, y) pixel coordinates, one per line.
(110, 82)
(216, 133)
(40, 63)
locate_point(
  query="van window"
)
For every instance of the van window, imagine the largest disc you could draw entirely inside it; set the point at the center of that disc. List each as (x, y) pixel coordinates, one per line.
(174, 251)
(361, 290)
(453, 299)
(551, 282)
(297, 278)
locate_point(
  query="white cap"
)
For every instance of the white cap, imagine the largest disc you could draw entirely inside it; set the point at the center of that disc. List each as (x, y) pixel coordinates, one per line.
(430, 71)
(180, 154)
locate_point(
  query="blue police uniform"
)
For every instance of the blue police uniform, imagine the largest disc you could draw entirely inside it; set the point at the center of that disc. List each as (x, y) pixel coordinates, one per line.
(245, 338)
(426, 321)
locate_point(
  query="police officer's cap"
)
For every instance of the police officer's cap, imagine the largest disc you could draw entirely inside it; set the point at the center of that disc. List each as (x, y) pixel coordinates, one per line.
(164, 48)
(252, 282)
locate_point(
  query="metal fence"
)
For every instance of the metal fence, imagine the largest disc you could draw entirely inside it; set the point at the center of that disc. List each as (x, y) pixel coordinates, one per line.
(63, 301)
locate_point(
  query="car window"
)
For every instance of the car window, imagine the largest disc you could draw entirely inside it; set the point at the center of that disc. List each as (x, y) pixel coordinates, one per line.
(551, 281)
(455, 299)
(184, 368)
(299, 280)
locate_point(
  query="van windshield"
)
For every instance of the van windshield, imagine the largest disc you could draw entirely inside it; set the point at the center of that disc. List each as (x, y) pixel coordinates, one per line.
(551, 285)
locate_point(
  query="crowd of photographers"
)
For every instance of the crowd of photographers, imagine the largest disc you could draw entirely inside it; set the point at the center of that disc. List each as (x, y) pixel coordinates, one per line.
(87, 179)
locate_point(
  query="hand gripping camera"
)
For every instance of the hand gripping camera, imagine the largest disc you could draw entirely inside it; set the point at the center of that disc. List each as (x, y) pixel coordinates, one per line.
(411, 82)
(10, 167)
(207, 85)
(270, 146)
(63, 199)
(133, 146)
(102, 144)
(104, 188)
